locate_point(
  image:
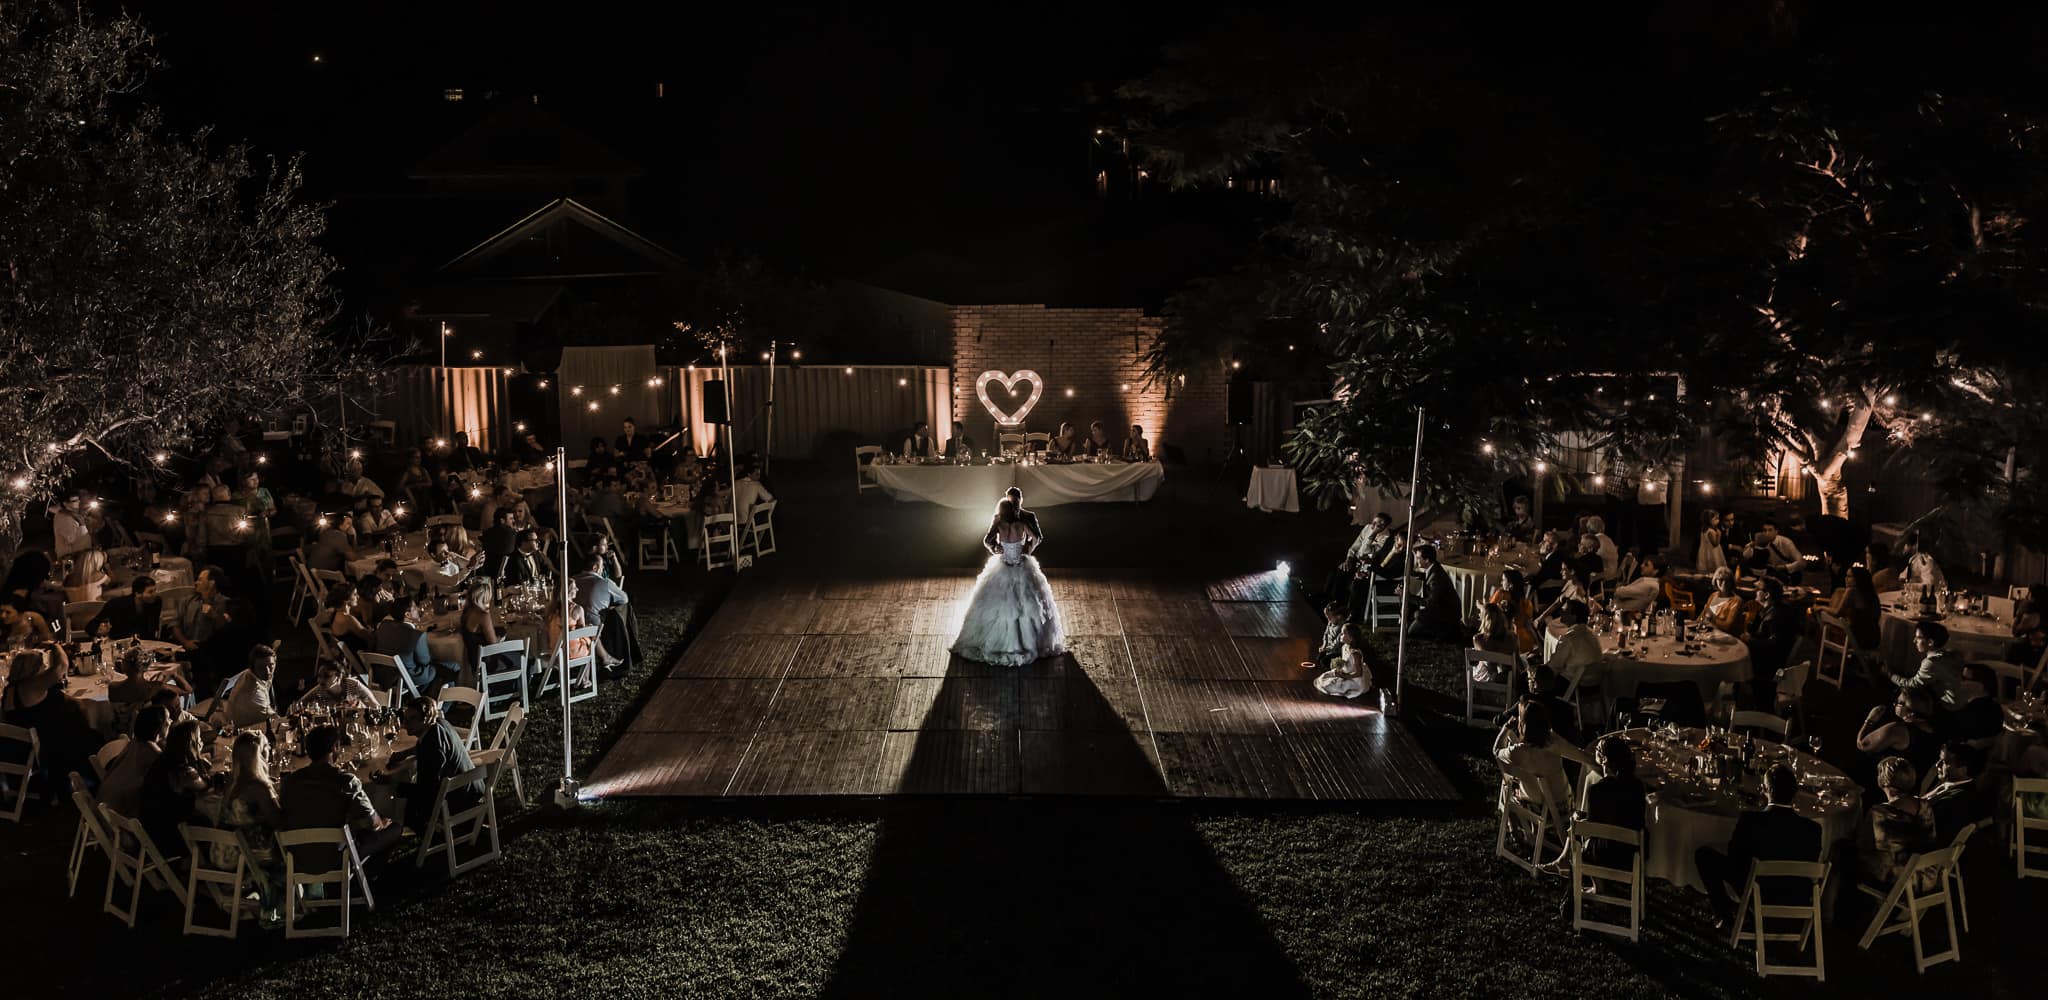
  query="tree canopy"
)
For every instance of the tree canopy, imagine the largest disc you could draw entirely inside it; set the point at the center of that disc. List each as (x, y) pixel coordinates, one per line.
(153, 283)
(1541, 244)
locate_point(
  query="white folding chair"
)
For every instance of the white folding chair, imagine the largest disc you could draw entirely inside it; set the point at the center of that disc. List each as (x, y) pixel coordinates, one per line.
(581, 671)
(92, 831)
(653, 552)
(1808, 913)
(217, 704)
(718, 542)
(103, 759)
(1575, 690)
(1759, 723)
(501, 675)
(79, 614)
(16, 776)
(1831, 666)
(339, 882)
(506, 744)
(302, 592)
(142, 865)
(1902, 908)
(1792, 691)
(450, 830)
(1494, 696)
(1383, 606)
(1591, 882)
(864, 467)
(371, 661)
(1536, 823)
(760, 529)
(222, 885)
(454, 695)
(2022, 847)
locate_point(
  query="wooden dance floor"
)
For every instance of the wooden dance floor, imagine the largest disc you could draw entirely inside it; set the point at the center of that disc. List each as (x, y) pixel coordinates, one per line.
(1170, 688)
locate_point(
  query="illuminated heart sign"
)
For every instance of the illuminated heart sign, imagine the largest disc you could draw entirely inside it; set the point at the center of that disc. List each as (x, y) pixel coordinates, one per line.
(1009, 382)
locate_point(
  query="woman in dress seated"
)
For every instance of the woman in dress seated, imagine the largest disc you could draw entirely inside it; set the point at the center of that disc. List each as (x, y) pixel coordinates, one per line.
(1905, 728)
(1528, 745)
(1896, 828)
(1513, 597)
(249, 808)
(33, 701)
(1349, 676)
(1496, 634)
(338, 616)
(1725, 609)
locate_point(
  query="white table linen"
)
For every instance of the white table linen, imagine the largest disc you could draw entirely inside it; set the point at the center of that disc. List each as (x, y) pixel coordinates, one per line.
(1273, 488)
(1973, 637)
(981, 486)
(1663, 658)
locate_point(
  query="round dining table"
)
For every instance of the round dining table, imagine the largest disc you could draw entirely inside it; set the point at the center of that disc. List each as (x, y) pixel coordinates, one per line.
(365, 757)
(1718, 657)
(1687, 812)
(95, 691)
(1475, 576)
(1973, 637)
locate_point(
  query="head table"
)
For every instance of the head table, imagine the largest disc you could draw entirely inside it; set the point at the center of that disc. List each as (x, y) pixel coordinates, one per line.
(1688, 811)
(1044, 484)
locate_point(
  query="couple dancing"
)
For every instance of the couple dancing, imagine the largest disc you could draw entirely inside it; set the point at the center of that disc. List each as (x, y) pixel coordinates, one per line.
(1011, 619)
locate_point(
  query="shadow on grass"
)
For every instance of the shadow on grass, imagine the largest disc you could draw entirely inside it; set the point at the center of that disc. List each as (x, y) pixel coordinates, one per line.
(1060, 895)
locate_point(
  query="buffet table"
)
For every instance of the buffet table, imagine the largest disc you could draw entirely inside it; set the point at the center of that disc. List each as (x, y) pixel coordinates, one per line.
(980, 486)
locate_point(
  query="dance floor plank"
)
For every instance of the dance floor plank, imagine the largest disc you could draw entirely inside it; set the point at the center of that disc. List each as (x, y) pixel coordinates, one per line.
(871, 656)
(817, 703)
(1178, 616)
(848, 688)
(755, 656)
(950, 762)
(1183, 657)
(1267, 619)
(811, 763)
(1276, 659)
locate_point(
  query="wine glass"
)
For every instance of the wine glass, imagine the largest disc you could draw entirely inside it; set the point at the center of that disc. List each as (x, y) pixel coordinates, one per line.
(1813, 744)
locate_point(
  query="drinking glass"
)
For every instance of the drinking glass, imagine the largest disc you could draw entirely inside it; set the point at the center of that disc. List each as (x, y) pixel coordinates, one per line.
(1813, 744)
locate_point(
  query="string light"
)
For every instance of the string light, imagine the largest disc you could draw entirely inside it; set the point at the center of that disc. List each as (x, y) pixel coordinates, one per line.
(262, 459)
(1542, 467)
(1486, 448)
(1235, 364)
(542, 384)
(576, 390)
(654, 382)
(160, 457)
(901, 382)
(1125, 387)
(615, 390)
(593, 406)
(1826, 405)
(507, 372)
(322, 522)
(849, 371)
(519, 425)
(21, 482)
(1925, 417)
(355, 454)
(1891, 401)
(53, 447)
(241, 524)
(764, 355)
(441, 444)
(477, 355)
(1706, 487)
(1599, 480)
(170, 517)
(1070, 393)
(475, 492)
(795, 355)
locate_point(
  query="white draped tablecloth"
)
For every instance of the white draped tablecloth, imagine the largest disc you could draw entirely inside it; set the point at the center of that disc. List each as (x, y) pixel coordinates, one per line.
(537, 477)
(1475, 577)
(1686, 814)
(1273, 488)
(980, 486)
(1972, 637)
(1663, 658)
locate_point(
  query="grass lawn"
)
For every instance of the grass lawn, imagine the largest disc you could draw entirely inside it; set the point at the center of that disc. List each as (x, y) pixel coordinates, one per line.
(974, 897)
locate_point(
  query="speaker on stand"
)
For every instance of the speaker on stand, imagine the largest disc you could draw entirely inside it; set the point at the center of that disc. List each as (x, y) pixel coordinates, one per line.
(1237, 465)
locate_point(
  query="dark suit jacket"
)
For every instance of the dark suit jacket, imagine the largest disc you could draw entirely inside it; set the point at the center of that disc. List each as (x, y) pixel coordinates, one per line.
(1776, 833)
(125, 619)
(988, 541)
(1770, 642)
(1619, 800)
(499, 541)
(522, 568)
(1440, 604)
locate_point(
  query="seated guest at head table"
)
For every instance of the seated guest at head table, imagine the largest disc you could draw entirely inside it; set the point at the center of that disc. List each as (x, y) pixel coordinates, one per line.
(1136, 448)
(959, 445)
(1097, 444)
(1065, 444)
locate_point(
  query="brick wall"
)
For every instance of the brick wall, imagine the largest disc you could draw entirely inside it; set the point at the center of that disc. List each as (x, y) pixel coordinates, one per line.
(1093, 364)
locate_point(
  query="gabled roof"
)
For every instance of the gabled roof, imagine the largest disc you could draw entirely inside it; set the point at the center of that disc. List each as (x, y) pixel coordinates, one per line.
(521, 140)
(526, 302)
(563, 239)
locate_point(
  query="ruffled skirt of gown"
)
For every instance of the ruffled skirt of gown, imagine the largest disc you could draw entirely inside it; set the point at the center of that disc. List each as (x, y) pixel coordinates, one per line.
(1011, 619)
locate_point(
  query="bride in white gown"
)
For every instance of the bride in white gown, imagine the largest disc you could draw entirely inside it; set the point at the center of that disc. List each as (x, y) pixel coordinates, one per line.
(1011, 619)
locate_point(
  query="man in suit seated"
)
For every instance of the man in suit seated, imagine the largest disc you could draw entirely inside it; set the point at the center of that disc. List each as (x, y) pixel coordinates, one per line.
(137, 615)
(1441, 617)
(401, 640)
(1774, 833)
(524, 565)
(322, 794)
(1957, 800)
(499, 541)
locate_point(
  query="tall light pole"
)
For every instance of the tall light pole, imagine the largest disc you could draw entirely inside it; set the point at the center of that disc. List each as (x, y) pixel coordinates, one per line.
(768, 443)
(565, 795)
(731, 469)
(1408, 577)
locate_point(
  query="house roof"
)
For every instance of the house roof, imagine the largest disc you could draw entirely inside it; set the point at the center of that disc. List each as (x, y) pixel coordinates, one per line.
(562, 239)
(517, 303)
(521, 140)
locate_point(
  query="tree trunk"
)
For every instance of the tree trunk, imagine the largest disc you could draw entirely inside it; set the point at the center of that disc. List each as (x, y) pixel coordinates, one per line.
(1834, 496)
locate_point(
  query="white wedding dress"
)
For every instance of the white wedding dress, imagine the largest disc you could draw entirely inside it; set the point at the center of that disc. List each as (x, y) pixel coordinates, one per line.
(1011, 619)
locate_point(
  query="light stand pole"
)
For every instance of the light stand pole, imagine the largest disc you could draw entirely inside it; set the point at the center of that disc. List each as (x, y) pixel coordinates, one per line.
(1408, 575)
(565, 794)
(731, 468)
(768, 445)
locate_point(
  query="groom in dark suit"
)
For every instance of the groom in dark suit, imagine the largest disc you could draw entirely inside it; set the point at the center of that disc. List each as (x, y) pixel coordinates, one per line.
(1030, 519)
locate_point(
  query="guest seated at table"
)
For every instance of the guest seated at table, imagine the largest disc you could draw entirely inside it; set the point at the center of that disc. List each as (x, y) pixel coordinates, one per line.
(1535, 682)
(920, 443)
(1553, 550)
(1609, 553)
(614, 567)
(631, 446)
(504, 498)
(1065, 444)
(1496, 634)
(1940, 673)
(334, 547)
(751, 493)
(1958, 798)
(171, 789)
(1779, 626)
(1353, 573)
(1856, 603)
(322, 794)
(1136, 448)
(22, 627)
(135, 615)
(499, 541)
(1884, 574)
(530, 451)
(1521, 523)
(1895, 829)
(249, 808)
(524, 565)
(334, 688)
(1979, 719)
(461, 456)
(33, 700)
(443, 562)
(250, 701)
(122, 789)
(373, 599)
(398, 638)
(600, 460)
(1440, 617)
(376, 519)
(959, 446)
(2028, 648)
(476, 626)
(1904, 728)
(1618, 798)
(1529, 745)
(1774, 833)
(1727, 609)
(439, 754)
(1921, 568)
(1577, 650)
(1644, 593)
(1772, 552)
(1349, 676)
(1097, 444)
(1513, 596)
(603, 602)
(338, 617)
(2028, 610)
(1578, 587)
